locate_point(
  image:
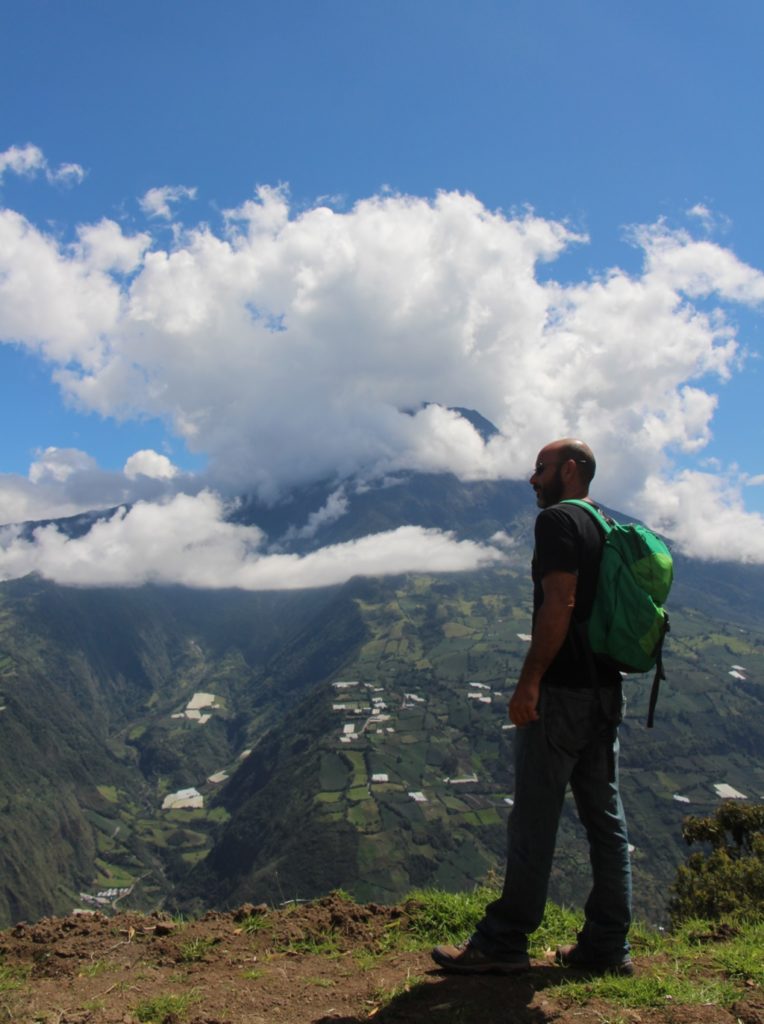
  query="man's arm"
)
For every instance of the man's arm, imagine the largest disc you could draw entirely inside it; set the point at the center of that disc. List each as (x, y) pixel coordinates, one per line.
(549, 632)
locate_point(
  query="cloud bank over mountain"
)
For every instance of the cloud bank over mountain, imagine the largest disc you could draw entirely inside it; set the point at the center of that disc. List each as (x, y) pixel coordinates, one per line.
(290, 346)
(187, 540)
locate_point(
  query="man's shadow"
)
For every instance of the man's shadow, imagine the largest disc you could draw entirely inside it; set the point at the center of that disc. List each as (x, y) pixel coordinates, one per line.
(464, 999)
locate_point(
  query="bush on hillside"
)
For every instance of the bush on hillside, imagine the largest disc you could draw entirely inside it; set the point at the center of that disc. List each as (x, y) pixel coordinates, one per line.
(727, 880)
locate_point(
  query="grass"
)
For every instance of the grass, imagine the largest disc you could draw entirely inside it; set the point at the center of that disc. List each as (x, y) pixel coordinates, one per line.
(157, 1010)
(92, 970)
(12, 978)
(196, 949)
(667, 985)
(322, 944)
(365, 959)
(438, 916)
(254, 923)
(702, 962)
(742, 961)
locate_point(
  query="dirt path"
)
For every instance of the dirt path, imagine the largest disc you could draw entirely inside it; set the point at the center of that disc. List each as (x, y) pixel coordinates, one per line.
(307, 964)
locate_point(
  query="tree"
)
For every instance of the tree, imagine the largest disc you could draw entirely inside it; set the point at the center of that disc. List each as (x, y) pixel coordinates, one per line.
(726, 880)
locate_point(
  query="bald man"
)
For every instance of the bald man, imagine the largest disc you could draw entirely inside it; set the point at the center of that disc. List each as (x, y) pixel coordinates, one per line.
(567, 706)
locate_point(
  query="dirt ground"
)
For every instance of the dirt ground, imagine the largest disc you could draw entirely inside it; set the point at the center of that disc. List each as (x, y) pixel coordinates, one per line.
(318, 963)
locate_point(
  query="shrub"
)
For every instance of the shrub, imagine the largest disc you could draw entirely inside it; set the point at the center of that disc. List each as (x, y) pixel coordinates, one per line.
(727, 880)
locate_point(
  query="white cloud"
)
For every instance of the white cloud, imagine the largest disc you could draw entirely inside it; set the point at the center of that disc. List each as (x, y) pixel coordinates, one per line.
(25, 160)
(149, 463)
(102, 246)
(59, 464)
(704, 514)
(285, 346)
(187, 540)
(157, 201)
(335, 506)
(66, 174)
(29, 161)
(709, 220)
(67, 481)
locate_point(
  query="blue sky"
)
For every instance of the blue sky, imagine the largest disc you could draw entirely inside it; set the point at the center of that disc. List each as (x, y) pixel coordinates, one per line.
(585, 119)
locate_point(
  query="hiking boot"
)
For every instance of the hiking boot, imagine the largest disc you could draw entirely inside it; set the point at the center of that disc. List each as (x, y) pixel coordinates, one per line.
(578, 956)
(468, 959)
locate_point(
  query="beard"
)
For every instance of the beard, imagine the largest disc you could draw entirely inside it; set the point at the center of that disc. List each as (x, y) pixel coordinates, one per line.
(550, 493)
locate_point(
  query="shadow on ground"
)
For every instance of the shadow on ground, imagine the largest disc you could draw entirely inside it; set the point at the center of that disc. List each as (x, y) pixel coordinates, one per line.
(463, 999)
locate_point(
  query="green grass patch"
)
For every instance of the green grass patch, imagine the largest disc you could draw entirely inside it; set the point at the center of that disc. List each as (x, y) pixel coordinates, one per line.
(193, 856)
(328, 798)
(741, 957)
(108, 793)
(158, 1009)
(323, 944)
(112, 876)
(12, 978)
(704, 962)
(438, 916)
(96, 968)
(667, 986)
(255, 923)
(357, 767)
(365, 815)
(196, 949)
(456, 630)
(489, 817)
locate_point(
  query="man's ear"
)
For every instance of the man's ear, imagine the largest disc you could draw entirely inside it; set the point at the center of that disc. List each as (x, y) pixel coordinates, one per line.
(568, 469)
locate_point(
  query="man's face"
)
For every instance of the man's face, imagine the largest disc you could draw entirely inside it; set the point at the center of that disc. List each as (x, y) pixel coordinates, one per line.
(546, 479)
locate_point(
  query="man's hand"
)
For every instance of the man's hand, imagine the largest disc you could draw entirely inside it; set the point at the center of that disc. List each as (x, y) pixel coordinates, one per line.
(524, 703)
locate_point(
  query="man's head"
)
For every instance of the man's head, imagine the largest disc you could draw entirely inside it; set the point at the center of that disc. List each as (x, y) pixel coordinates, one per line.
(564, 469)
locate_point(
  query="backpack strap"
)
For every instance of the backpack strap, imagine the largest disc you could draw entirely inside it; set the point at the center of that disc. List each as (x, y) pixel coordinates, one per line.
(604, 522)
(659, 674)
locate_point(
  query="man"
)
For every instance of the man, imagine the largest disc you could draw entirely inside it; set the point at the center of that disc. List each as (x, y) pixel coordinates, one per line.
(566, 707)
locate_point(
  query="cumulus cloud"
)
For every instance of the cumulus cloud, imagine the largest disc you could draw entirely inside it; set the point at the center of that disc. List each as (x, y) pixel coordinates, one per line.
(705, 516)
(59, 464)
(24, 160)
(157, 201)
(67, 481)
(290, 347)
(187, 540)
(29, 161)
(149, 463)
(103, 246)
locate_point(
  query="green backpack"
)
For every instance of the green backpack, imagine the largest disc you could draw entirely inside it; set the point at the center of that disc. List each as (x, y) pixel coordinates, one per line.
(628, 623)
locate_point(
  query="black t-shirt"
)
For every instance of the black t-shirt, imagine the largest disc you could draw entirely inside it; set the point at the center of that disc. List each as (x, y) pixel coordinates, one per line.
(568, 539)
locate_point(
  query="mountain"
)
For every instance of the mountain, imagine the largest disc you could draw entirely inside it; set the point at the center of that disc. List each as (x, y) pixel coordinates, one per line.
(163, 746)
